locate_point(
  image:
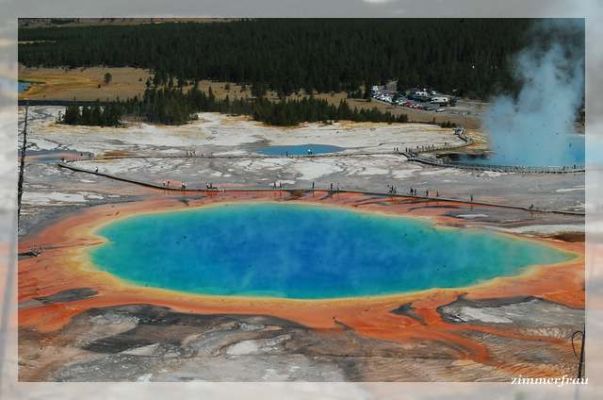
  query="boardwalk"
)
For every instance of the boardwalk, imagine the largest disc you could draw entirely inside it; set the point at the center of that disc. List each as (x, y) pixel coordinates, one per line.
(247, 156)
(160, 186)
(415, 155)
(491, 167)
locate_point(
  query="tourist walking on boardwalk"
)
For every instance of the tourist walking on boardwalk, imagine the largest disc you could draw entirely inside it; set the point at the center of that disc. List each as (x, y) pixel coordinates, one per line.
(312, 185)
(96, 170)
(471, 198)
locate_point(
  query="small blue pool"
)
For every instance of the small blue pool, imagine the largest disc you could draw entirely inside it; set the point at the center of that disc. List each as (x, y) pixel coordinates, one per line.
(23, 86)
(300, 149)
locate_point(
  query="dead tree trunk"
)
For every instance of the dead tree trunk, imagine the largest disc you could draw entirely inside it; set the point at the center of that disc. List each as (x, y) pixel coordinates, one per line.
(22, 165)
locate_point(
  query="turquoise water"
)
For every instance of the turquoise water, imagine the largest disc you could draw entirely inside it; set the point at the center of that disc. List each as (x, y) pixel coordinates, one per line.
(573, 153)
(305, 252)
(300, 149)
(23, 86)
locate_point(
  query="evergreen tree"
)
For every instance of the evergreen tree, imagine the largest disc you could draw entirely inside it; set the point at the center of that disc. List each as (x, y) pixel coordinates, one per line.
(72, 114)
(107, 115)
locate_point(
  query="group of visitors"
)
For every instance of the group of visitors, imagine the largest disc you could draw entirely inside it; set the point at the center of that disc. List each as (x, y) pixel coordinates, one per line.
(166, 185)
(413, 192)
(332, 188)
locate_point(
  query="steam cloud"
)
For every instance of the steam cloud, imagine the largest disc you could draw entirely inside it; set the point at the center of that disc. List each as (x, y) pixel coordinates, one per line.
(537, 128)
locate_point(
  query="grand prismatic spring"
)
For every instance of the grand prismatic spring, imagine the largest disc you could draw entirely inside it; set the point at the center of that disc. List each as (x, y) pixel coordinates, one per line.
(285, 279)
(305, 252)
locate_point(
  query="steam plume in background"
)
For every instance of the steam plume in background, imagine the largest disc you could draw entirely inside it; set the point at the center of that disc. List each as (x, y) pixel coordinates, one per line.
(537, 128)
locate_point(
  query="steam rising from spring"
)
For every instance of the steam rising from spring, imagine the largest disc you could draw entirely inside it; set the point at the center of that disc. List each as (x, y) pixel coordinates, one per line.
(537, 128)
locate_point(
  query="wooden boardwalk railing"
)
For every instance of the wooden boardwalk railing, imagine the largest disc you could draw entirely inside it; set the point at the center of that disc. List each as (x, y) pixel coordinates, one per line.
(492, 167)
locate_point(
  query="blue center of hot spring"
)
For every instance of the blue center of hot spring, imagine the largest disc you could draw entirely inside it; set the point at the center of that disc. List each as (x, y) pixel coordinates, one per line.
(300, 149)
(305, 252)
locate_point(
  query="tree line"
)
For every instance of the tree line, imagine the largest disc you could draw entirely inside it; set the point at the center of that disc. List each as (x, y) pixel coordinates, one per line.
(173, 106)
(467, 56)
(97, 115)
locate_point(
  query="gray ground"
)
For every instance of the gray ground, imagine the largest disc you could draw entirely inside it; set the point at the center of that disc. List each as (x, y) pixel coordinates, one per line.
(157, 154)
(142, 343)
